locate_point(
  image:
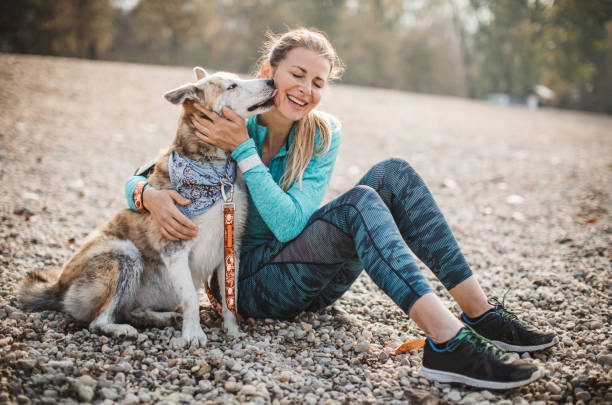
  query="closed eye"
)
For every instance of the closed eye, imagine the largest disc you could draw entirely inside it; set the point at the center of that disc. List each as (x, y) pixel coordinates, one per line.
(232, 86)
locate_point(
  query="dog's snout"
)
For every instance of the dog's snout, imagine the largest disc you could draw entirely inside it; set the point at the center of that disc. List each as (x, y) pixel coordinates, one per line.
(270, 82)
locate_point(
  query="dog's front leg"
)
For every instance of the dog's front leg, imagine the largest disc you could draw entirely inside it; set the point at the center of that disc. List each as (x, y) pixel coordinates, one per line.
(179, 272)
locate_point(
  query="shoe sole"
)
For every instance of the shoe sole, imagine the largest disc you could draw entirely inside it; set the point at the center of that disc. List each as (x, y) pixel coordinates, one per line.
(521, 349)
(449, 377)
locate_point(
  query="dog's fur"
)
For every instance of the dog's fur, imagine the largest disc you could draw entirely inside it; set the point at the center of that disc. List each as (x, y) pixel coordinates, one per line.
(126, 271)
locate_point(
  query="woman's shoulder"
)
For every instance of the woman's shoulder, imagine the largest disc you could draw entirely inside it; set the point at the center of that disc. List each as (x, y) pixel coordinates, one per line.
(334, 123)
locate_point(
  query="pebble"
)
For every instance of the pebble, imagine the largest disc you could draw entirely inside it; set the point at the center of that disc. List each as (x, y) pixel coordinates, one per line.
(109, 393)
(130, 399)
(86, 392)
(605, 359)
(231, 386)
(362, 346)
(248, 389)
(553, 388)
(454, 395)
(596, 325)
(285, 376)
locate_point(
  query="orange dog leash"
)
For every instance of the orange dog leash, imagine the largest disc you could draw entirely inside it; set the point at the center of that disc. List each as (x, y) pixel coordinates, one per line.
(229, 255)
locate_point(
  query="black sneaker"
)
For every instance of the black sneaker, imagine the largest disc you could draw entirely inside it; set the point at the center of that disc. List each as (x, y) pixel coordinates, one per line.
(504, 329)
(470, 359)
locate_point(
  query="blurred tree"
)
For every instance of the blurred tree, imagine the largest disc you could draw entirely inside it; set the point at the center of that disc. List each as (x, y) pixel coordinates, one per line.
(456, 47)
(509, 46)
(81, 28)
(561, 44)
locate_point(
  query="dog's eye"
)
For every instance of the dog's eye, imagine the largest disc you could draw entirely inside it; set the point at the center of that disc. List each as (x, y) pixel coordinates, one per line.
(232, 86)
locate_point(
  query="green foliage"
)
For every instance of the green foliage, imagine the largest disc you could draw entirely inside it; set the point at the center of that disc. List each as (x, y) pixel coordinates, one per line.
(561, 44)
(436, 46)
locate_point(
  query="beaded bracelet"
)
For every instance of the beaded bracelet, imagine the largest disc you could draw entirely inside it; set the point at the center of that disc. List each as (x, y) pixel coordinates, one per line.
(138, 192)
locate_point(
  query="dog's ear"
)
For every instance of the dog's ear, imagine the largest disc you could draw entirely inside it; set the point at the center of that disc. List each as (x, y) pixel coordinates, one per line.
(180, 94)
(200, 72)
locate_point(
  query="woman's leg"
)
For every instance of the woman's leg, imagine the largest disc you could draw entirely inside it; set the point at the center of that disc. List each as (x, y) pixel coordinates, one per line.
(426, 231)
(353, 232)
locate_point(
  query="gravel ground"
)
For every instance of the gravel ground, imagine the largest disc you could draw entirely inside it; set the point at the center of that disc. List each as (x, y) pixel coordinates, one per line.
(526, 192)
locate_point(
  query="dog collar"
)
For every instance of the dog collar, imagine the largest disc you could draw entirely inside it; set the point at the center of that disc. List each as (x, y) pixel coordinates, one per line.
(199, 182)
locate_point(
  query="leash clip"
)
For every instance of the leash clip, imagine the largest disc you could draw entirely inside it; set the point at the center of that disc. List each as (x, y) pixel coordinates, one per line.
(227, 198)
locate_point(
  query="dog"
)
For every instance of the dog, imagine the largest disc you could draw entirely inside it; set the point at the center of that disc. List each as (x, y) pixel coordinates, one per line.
(126, 273)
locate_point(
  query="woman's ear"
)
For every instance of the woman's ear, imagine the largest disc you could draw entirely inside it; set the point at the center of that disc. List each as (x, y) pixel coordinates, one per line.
(265, 71)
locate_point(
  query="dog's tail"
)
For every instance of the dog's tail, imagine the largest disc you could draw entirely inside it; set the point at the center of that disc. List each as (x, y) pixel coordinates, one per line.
(39, 290)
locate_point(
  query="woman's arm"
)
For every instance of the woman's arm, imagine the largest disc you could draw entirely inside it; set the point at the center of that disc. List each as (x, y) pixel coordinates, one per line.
(286, 213)
(162, 205)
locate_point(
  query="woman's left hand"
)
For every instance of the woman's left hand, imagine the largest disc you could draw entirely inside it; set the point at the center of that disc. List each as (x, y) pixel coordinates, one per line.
(225, 133)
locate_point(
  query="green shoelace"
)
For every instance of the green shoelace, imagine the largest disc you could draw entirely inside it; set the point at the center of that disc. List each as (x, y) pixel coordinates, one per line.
(505, 313)
(481, 343)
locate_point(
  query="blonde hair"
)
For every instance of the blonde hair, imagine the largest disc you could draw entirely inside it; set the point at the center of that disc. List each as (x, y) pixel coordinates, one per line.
(275, 49)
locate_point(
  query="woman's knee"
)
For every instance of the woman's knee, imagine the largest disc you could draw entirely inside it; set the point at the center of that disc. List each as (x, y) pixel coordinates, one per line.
(362, 194)
(395, 166)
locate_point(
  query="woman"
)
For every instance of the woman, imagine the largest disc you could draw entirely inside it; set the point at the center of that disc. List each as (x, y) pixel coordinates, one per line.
(296, 257)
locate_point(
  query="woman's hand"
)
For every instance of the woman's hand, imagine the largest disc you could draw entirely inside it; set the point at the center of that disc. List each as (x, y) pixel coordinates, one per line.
(225, 133)
(169, 219)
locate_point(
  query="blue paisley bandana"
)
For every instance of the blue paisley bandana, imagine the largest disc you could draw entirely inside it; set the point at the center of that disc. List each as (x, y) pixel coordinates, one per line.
(199, 182)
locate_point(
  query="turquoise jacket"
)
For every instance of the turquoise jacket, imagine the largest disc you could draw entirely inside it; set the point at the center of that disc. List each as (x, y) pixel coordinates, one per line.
(274, 213)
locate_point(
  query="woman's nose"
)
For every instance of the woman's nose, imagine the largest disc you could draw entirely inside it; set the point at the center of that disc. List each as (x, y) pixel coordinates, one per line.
(305, 87)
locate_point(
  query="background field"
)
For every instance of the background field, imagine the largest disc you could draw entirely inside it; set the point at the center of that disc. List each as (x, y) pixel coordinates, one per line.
(526, 192)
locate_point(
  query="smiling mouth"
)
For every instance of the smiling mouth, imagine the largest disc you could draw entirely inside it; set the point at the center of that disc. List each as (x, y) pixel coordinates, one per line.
(296, 101)
(264, 104)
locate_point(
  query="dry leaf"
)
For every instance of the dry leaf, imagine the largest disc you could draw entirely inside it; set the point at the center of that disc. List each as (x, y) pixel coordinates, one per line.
(408, 345)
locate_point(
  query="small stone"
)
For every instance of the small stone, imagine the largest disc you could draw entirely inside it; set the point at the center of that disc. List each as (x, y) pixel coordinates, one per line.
(605, 359)
(310, 399)
(306, 326)
(454, 395)
(22, 399)
(109, 393)
(26, 364)
(86, 392)
(248, 389)
(231, 386)
(144, 397)
(362, 347)
(582, 396)
(596, 325)
(285, 376)
(130, 399)
(553, 388)
(60, 363)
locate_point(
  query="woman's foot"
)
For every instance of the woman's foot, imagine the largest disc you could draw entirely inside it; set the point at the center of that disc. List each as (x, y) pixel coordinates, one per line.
(472, 360)
(504, 329)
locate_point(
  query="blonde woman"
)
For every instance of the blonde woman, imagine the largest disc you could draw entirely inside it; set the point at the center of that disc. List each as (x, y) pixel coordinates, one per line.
(298, 257)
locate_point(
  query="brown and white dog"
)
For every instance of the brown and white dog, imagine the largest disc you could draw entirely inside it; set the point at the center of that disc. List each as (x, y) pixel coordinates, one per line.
(126, 271)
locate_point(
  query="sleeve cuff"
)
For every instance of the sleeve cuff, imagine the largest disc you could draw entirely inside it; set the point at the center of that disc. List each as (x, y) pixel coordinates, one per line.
(244, 150)
(246, 155)
(248, 163)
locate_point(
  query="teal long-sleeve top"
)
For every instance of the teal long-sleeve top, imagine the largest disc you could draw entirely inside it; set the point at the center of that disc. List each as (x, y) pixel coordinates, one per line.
(273, 212)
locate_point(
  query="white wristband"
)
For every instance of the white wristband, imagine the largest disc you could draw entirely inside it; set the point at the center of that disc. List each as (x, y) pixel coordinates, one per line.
(248, 163)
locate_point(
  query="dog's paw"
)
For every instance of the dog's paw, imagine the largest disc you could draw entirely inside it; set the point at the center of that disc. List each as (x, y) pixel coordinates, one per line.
(192, 339)
(234, 330)
(125, 331)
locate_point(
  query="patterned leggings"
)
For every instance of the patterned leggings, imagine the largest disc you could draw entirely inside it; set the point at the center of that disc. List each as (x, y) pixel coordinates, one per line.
(373, 226)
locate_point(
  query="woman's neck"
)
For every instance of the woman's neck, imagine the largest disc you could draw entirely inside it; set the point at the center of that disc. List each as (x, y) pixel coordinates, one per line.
(278, 126)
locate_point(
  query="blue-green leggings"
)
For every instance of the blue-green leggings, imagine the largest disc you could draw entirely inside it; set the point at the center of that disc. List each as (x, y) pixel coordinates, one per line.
(373, 226)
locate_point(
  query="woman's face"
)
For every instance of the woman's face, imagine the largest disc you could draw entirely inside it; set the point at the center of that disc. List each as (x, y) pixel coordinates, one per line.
(300, 79)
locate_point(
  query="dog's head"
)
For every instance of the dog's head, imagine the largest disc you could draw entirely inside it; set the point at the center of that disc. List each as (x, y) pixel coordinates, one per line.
(244, 97)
